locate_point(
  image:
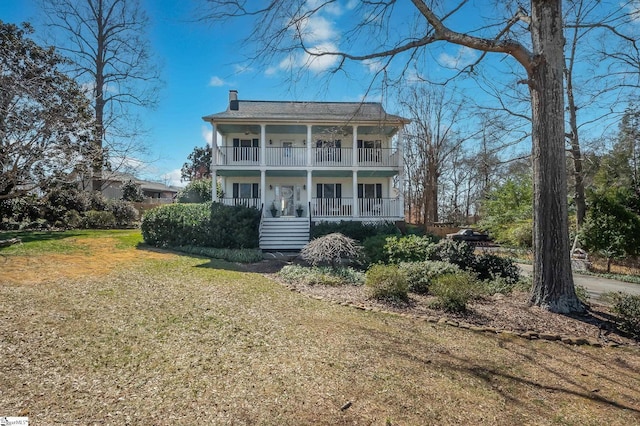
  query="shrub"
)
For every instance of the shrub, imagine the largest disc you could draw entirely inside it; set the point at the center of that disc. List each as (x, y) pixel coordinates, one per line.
(132, 191)
(177, 225)
(454, 291)
(123, 211)
(330, 249)
(420, 275)
(297, 274)
(373, 249)
(385, 282)
(358, 231)
(456, 252)
(72, 219)
(98, 220)
(233, 226)
(490, 267)
(205, 225)
(410, 248)
(627, 307)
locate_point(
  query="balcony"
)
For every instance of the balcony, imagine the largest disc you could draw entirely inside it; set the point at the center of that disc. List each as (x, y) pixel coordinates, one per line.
(297, 157)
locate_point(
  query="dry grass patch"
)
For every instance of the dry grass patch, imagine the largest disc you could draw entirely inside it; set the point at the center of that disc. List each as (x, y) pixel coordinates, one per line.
(168, 341)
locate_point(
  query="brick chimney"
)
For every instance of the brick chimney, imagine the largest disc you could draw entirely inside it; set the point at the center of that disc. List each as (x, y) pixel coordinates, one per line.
(233, 100)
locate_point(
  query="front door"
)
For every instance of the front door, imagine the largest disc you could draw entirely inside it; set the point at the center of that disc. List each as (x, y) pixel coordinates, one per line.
(286, 200)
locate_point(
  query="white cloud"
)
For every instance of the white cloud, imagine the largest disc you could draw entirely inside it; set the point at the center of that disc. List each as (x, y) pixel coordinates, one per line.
(172, 178)
(216, 82)
(207, 134)
(317, 29)
(320, 63)
(463, 57)
(373, 65)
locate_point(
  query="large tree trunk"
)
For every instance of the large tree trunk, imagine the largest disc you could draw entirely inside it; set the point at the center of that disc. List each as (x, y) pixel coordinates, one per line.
(552, 278)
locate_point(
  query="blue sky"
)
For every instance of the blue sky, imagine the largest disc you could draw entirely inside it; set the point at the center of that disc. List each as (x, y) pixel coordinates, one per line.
(200, 64)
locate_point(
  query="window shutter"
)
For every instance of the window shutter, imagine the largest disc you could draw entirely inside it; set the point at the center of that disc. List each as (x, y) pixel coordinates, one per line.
(359, 143)
(236, 142)
(360, 190)
(338, 190)
(236, 190)
(319, 190)
(378, 190)
(256, 143)
(256, 190)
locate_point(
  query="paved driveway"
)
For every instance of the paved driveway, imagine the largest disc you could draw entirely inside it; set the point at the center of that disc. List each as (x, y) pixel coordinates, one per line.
(595, 285)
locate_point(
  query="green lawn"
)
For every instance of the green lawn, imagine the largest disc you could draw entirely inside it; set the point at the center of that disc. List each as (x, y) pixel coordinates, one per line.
(166, 338)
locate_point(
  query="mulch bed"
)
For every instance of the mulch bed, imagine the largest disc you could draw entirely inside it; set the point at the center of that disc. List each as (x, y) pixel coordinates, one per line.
(496, 313)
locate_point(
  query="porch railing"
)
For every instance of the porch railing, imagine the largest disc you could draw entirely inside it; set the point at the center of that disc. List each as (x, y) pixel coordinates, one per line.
(247, 202)
(286, 156)
(367, 207)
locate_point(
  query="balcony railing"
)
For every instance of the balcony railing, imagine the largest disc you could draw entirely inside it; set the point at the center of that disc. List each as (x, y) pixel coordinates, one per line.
(297, 156)
(286, 156)
(367, 207)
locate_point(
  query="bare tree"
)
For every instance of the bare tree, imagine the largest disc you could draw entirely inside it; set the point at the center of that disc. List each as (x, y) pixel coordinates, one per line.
(431, 138)
(533, 39)
(105, 40)
(597, 34)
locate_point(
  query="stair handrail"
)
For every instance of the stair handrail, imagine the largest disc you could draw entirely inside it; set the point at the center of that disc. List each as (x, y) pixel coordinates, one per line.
(261, 221)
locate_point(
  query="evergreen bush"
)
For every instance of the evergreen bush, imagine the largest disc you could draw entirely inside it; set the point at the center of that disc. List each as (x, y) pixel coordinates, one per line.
(420, 275)
(358, 231)
(94, 219)
(409, 248)
(627, 307)
(489, 267)
(454, 291)
(386, 282)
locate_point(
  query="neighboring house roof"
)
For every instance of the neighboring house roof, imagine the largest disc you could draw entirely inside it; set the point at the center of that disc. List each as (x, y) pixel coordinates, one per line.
(279, 111)
(145, 185)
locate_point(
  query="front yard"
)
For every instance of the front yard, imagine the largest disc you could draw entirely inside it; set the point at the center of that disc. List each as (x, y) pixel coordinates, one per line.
(96, 330)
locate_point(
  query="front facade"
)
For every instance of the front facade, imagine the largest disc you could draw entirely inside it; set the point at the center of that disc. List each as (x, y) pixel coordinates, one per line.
(309, 161)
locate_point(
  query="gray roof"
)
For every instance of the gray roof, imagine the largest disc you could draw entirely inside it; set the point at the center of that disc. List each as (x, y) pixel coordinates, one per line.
(282, 111)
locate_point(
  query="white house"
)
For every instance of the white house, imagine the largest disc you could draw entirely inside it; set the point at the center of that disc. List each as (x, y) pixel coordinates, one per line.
(304, 162)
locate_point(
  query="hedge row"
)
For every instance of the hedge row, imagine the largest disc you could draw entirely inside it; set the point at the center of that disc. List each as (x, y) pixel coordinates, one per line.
(204, 225)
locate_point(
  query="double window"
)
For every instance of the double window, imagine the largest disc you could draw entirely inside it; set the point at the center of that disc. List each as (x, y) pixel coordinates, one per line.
(329, 190)
(369, 190)
(328, 150)
(246, 149)
(369, 151)
(246, 190)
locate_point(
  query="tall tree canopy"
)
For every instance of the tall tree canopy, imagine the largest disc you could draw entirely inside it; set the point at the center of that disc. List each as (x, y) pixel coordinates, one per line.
(380, 32)
(198, 165)
(45, 118)
(106, 42)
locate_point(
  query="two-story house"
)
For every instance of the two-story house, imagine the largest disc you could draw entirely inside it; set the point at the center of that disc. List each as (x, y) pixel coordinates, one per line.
(304, 162)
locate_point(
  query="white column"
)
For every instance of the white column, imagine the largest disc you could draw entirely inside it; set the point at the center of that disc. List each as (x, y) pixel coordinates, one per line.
(214, 185)
(355, 146)
(309, 188)
(263, 188)
(214, 162)
(263, 144)
(309, 143)
(356, 210)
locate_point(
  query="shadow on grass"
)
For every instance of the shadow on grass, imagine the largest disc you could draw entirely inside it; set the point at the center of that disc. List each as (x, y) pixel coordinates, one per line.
(39, 236)
(209, 262)
(564, 378)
